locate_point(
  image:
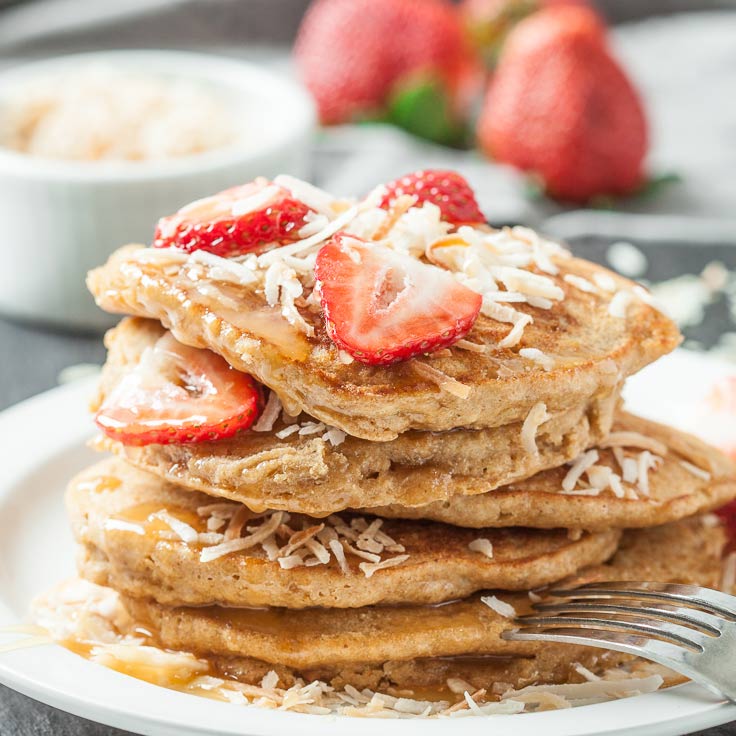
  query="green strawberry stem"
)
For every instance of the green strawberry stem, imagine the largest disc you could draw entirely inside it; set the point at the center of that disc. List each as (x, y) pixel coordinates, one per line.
(423, 107)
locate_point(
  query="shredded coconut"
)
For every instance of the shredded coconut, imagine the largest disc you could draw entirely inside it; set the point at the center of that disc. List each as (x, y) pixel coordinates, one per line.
(77, 610)
(500, 607)
(223, 269)
(242, 543)
(334, 436)
(620, 303)
(634, 439)
(99, 113)
(534, 419)
(695, 470)
(279, 254)
(632, 482)
(445, 382)
(308, 428)
(580, 283)
(588, 692)
(473, 347)
(483, 546)
(314, 197)
(269, 415)
(296, 541)
(645, 462)
(585, 672)
(536, 355)
(579, 466)
(369, 568)
(627, 259)
(604, 281)
(185, 532)
(282, 434)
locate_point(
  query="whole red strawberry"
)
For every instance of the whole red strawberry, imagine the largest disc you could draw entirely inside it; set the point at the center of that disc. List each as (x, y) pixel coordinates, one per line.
(405, 61)
(559, 106)
(447, 189)
(490, 21)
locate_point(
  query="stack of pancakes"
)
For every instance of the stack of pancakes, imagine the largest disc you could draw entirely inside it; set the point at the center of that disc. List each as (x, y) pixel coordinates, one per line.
(381, 526)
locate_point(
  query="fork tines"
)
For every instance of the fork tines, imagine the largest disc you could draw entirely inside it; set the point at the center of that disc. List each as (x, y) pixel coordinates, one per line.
(713, 601)
(674, 625)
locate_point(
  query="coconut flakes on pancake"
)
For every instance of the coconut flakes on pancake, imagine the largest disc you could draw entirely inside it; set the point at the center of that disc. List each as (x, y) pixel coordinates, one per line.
(484, 546)
(502, 608)
(507, 266)
(535, 419)
(294, 547)
(79, 611)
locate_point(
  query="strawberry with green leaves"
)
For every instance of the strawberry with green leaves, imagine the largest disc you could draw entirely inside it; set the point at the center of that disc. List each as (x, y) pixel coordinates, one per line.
(490, 21)
(402, 61)
(560, 107)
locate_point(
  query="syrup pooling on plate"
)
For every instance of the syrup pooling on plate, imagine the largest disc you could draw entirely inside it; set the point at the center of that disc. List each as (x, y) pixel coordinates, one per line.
(90, 621)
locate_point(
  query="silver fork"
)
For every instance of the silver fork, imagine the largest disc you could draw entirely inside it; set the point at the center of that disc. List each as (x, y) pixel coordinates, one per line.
(689, 629)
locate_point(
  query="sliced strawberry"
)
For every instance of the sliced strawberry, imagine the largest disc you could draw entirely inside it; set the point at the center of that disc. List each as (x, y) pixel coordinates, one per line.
(447, 189)
(176, 395)
(728, 515)
(382, 306)
(254, 216)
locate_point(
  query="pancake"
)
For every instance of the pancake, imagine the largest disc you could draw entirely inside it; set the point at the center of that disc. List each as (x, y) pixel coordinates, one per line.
(90, 620)
(428, 678)
(692, 478)
(687, 552)
(440, 476)
(125, 544)
(308, 474)
(600, 330)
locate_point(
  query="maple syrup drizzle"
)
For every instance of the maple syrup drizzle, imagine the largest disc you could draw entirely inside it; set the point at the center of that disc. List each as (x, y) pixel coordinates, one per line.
(187, 677)
(101, 484)
(142, 520)
(242, 308)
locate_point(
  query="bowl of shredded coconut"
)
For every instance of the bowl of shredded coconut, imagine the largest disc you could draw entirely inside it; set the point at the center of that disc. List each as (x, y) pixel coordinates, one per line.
(95, 147)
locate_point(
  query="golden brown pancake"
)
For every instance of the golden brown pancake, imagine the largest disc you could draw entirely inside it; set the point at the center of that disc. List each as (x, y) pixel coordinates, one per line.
(451, 477)
(123, 546)
(427, 679)
(593, 348)
(307, 474)
(693, 478)
(687, 552)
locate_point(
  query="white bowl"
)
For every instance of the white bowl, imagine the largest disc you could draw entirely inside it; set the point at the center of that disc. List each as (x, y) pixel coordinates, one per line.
(59, 218)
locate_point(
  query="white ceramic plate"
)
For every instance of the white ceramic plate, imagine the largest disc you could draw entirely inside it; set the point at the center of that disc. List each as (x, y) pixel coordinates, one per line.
(43, 445)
